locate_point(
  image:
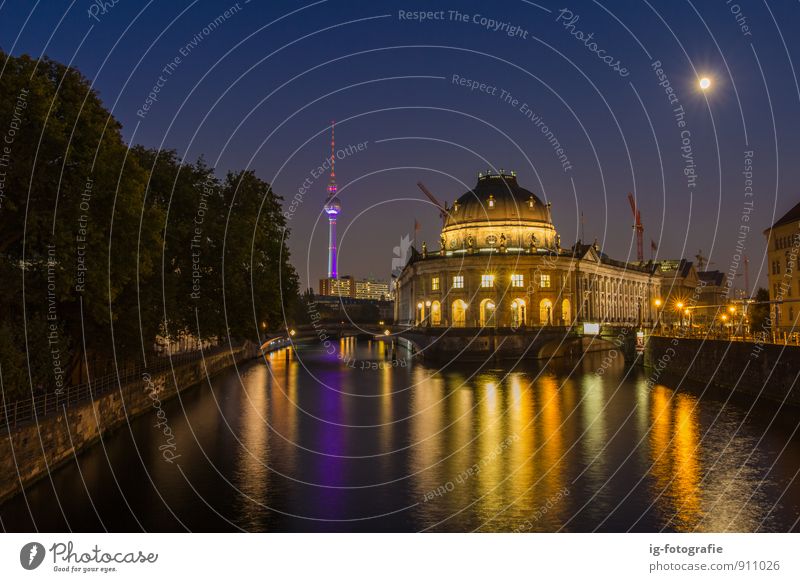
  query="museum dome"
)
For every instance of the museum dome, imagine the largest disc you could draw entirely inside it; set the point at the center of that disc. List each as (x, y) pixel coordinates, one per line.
(498, 214)
(497, 197)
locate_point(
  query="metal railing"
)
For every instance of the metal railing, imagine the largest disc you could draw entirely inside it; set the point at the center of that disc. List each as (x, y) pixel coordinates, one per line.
(21, 411)
(777, 338)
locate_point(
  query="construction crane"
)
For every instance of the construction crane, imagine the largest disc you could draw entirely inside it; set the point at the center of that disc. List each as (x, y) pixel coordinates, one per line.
(442, 208)
(702, 260)
(638, 227)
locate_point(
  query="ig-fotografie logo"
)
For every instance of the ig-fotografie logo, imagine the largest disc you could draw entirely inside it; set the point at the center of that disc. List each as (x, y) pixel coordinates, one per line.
(31, 555)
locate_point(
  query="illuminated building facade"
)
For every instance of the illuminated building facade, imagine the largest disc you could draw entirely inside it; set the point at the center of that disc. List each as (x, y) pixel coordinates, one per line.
(347, 286)
(783, 259)
(500, 263)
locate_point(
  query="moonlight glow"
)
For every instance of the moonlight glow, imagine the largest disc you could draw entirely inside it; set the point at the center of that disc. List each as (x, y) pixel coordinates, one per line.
(705, 83)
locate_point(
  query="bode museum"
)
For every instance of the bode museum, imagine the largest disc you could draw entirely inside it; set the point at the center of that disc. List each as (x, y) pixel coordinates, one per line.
(500, 263)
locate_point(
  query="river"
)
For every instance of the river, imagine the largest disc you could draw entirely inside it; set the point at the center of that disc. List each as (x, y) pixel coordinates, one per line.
(356, 441)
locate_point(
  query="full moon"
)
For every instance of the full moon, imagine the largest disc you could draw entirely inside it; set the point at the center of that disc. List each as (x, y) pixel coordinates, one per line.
(705, 83)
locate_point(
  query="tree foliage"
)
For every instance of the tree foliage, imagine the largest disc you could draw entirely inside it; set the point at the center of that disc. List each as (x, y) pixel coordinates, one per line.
(104, 248)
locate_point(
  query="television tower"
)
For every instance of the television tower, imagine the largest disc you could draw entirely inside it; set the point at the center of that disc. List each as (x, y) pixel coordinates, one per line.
(332, 208)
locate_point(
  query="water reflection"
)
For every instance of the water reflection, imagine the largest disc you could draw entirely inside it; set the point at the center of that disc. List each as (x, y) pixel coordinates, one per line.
(353, 439)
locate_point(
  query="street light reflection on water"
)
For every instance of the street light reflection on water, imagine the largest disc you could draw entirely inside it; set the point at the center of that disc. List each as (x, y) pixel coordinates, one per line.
(365, 438)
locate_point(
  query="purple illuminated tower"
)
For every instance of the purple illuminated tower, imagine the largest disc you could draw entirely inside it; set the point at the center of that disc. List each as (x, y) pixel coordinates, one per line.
(332, 209)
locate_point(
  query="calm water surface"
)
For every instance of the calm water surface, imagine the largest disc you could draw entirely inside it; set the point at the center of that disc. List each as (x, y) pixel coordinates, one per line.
(353, 442)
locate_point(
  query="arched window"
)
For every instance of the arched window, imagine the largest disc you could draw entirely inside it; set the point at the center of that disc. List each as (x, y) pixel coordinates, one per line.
(459, 313)
(546, 312)
(487, 313)
(565, 312)
(518, 313)
(436, 313)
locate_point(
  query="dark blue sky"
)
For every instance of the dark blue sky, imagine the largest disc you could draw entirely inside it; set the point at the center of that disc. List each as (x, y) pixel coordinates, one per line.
(260, 88)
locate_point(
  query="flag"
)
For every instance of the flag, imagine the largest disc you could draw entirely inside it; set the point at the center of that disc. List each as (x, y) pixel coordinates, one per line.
(653, 245)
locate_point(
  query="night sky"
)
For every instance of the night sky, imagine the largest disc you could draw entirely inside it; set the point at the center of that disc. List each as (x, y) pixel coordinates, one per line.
(259, 89)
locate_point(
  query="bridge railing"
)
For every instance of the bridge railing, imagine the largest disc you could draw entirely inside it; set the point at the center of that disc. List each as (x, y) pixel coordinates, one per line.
(39, 405)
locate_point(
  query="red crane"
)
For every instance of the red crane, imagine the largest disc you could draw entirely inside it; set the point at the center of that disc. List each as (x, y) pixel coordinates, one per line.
(638, 227)
(442, 208)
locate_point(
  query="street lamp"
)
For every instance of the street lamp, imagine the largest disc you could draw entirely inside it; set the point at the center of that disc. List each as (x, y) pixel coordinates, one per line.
(679, 307)
(658, 303)
(732, 311)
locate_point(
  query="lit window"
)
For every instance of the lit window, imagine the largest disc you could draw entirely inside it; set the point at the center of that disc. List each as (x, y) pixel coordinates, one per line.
(458, 281)
(435, 284)
(487, 280)
(517, 281)
(491, 201)
(530, 202)
(544, 281)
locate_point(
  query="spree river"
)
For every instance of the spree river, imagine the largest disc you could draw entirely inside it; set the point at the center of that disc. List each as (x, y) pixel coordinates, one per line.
(354, 441)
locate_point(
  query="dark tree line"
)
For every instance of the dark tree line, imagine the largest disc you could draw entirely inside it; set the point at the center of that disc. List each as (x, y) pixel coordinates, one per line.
(104, 248)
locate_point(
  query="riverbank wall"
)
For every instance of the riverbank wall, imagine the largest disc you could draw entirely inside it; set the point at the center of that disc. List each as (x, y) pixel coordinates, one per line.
(482, 344)
(32, 450)
(767, 371)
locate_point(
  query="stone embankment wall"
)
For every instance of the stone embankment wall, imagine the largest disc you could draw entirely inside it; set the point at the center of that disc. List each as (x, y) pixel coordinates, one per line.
(757, 370)
(31, 450)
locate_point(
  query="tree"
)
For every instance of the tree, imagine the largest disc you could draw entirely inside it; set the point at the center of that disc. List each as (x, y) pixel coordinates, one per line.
(104, 247)
(260, 285)
(759, 312)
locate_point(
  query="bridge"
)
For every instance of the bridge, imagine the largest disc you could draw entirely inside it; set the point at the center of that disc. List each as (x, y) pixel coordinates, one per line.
(471, 343)
(323, 332)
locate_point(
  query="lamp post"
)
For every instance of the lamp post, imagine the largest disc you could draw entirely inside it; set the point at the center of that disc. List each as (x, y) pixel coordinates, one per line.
(679, 307)
(732, 311)
(658, 303)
